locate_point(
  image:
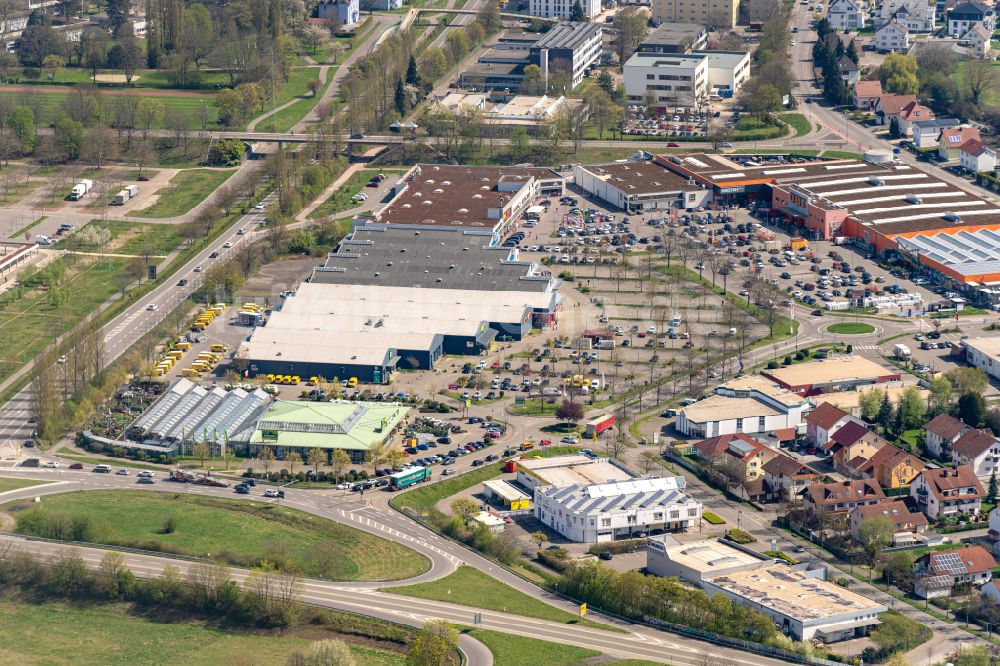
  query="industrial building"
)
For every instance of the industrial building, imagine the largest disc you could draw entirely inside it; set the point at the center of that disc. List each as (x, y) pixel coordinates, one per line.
(364, 331)
(354, 427)
(564, 54)
(598, 512)
(465, 198)
(750, 404)
(843, 373)
(512, 497)
(508, 112)
(638, 186)
(802, 603)
(983, 353)
(562, 471)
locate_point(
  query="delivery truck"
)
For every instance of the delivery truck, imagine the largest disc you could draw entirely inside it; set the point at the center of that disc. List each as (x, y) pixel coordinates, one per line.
(901, 352)
(80, 189)
(126, 194)
(408, 477)
(599, 425)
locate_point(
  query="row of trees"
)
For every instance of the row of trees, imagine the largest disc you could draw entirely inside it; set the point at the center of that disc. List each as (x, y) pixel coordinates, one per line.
(773, 78)
(828, 60)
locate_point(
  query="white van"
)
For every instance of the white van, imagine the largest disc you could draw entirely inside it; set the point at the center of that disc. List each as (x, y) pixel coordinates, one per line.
(103, 469)
(676, 321)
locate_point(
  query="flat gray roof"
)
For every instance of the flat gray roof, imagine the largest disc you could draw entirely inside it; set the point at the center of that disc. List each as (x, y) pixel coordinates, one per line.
(438, 259)
(674, 34)
(568, 35)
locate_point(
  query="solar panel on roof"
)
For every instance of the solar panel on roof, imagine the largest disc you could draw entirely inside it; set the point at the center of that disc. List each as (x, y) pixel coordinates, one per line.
(632, 500)
(653, 498)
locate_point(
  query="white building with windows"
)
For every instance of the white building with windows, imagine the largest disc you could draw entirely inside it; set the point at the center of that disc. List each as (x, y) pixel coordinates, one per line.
(846, 14)
(893, 37)
(561, 8)
(983, 353)
(915, 15)
(750, 404)
(593, 513)
(683, 79)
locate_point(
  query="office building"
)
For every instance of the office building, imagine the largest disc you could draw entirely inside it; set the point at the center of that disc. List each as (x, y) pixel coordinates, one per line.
(722, 13)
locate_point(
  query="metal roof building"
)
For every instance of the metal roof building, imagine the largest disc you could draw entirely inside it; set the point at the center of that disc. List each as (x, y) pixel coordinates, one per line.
(605, 512)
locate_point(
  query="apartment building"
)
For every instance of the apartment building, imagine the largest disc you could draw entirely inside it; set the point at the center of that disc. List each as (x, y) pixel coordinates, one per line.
(561, 8)
(722, 13)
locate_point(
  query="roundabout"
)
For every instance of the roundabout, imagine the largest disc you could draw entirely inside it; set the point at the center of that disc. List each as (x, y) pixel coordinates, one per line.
(850, 328)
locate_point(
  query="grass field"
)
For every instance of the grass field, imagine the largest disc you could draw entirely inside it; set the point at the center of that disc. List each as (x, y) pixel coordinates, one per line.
(341, 199)
(65, 452)
(16, 484)
(240, 532)
(189, 188)
(991, 95)
(51, 101)
(471, 587)
(797, 122)
(57, 634)
(850, 328)
(31, 318)
(127, 238)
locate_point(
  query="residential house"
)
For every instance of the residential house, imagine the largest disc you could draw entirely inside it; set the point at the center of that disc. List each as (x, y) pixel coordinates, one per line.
(903, 520)
(937, 573)
(889, 104)
(977, 38)
(866, 94)
(991, 591)
(893, 37)
(948, 491)
(345, 12)
(979, 449)
(849, 71)
(926, 132)
(994, 533)
(912, 112)
(739, 456)
(915, 15)
(824, 421)
(840, 497)
(852, 447)
(941, 432)
(952, 139)
(967, 14)
(892, 467)
(976, 157)
(786, 477)
(846, 15)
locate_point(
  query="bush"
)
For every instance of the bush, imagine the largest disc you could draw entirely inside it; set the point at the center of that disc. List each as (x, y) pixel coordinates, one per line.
(618, 547)
(772, 365)
(556, 560)
(788, 360)
(740, 536)
(712, 519)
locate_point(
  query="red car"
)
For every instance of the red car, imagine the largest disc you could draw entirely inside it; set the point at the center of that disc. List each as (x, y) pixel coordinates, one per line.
(673, 144)
(545, 442)
(452, 387)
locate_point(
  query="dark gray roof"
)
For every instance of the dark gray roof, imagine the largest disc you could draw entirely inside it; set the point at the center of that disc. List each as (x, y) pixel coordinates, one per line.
(568, 36)
(430, 258)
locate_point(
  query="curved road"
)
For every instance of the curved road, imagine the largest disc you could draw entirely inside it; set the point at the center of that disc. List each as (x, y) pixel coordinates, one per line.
(364, 597)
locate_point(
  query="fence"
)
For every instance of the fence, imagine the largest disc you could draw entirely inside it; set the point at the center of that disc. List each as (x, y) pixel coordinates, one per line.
(735, 643)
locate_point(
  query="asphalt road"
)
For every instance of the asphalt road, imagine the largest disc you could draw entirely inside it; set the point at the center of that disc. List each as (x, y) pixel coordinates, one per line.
(127, 328)
(363, 597)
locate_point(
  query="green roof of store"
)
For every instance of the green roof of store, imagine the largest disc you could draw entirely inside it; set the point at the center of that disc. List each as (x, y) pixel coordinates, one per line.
(330, 425)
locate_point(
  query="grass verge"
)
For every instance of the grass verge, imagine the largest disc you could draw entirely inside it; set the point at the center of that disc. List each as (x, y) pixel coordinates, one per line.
(797, 122)
(7, 484)
(136, 238)
(188, 189)
(471, 587)
(242, 533)
(511, 650)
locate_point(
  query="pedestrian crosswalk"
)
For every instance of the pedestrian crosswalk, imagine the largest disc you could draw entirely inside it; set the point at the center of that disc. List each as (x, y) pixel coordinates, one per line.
(870, 347)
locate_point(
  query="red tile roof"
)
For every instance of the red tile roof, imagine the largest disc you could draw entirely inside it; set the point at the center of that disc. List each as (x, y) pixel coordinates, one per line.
(784, 434)
(828, 494)
(892, 104)
(954, 137)
(716, 446)
(784, 465)
(889, 456)
(868, 88)
(970, 560)
(895, 510)
(945, 426)
(951, 478)
(916, 111)
(825, 416)
(973, 443)
(850, 433)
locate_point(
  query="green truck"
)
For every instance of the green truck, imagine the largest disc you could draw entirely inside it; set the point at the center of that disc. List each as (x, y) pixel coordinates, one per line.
(408, 477)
